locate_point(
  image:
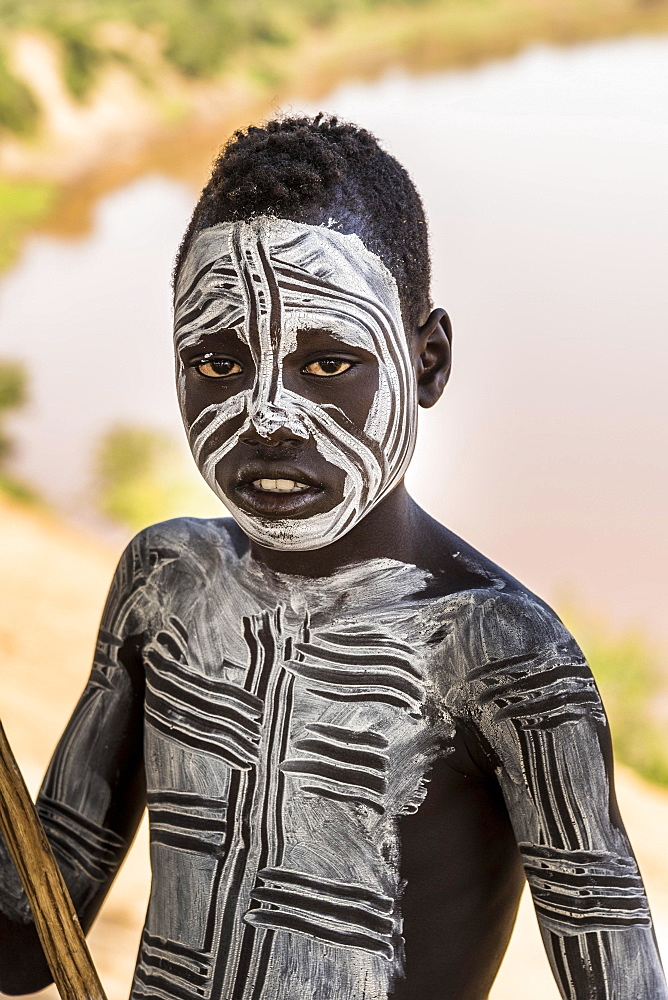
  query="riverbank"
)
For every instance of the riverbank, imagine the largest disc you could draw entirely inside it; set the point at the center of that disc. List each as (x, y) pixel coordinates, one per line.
(143, 113)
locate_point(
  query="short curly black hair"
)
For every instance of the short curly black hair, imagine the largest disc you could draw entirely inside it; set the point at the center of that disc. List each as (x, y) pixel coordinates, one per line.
(322, 171)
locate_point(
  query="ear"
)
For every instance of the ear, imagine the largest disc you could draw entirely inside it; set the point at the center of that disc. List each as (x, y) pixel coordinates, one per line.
(434, 347)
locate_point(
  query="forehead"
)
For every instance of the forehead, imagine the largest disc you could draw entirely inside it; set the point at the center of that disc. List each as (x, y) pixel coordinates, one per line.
(268, 268)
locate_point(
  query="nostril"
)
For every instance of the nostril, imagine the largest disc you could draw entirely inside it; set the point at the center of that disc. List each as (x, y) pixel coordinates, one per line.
(274, 425)
(281, 435)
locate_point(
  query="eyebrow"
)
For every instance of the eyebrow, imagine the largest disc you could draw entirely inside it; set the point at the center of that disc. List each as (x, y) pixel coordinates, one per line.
(210, 343)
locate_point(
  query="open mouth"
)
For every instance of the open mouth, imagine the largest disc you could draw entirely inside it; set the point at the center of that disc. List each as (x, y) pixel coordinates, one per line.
(279, 493)
(280, 486)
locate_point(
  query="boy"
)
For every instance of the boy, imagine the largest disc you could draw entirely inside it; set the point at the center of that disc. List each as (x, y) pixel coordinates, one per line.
(355, 735)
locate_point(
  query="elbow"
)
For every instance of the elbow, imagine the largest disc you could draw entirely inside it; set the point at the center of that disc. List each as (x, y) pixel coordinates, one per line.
(15, 988)
(23, 975)
(23, 967)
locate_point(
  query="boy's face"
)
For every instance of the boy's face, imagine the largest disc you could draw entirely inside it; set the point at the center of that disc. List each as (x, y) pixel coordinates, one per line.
(294, 376)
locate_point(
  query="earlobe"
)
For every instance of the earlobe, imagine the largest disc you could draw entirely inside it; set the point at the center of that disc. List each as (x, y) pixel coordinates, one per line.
(434, 362)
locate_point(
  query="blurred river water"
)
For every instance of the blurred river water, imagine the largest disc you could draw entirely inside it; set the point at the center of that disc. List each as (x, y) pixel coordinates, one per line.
(544, 179)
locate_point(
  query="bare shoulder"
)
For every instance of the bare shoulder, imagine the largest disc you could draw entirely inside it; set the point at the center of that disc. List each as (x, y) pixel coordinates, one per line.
(182, 533)
(513, 659)
(514, 622)
(168, 560)
(524, 668)
(188, 540)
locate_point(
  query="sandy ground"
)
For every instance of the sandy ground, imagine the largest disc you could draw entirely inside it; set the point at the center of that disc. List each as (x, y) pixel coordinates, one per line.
(53, 582)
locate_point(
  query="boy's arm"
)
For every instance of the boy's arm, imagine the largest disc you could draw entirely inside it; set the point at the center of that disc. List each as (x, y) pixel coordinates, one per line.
(93, 794)
(540, 715)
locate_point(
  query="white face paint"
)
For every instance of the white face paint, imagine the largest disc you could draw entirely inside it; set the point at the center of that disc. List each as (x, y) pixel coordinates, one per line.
(269, 280)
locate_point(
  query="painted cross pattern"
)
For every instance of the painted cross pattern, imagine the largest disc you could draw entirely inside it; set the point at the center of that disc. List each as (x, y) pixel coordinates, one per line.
(199, 712)
(584, 890)
(339, 913)
(333, 761)
(251, 729)
(537, 693)
(243, 960)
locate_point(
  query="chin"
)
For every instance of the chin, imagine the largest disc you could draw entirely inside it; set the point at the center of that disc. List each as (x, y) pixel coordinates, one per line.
(284, 535)
(292, 534)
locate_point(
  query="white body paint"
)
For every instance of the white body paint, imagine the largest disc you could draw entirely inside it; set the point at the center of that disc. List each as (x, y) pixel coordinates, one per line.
(286, 734)
(291, 726)
(269, 279)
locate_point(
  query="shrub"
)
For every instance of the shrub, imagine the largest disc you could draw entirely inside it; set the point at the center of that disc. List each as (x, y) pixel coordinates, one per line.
(19, 111)
(13, 395)
(632, 683)
(142, 476)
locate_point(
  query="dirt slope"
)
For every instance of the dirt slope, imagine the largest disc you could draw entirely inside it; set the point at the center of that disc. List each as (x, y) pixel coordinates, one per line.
(53, 582)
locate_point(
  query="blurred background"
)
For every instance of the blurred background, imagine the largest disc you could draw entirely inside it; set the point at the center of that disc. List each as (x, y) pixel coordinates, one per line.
(537, 132)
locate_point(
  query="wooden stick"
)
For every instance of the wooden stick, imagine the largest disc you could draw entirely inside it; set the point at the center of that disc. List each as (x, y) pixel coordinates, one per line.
(56, 921)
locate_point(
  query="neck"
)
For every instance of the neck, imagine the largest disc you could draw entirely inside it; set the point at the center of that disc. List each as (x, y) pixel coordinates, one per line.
(396, 529)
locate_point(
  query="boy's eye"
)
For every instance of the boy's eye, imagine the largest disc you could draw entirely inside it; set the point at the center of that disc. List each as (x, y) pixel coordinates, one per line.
(327, 367)
(219, 368)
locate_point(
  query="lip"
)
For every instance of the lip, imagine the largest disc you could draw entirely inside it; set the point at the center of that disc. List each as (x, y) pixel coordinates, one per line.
(278, 504)
(264, 504)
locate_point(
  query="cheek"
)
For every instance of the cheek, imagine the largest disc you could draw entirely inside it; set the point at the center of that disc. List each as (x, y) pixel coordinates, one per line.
(348, 399)
(199, 399)
(209, 432)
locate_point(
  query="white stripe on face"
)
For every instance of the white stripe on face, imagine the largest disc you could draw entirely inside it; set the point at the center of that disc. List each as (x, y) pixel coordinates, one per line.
(270, 280)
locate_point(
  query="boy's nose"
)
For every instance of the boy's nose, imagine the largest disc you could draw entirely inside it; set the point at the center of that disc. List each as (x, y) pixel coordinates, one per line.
(275, 425)
(278, 436)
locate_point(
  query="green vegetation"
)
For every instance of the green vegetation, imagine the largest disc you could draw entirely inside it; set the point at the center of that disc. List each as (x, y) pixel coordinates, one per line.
(142, 476)
(23, 204)
(632, 685)
(82, 58)
(201, 38)
(19, 111)
(13, 395)
(197, 37)
(265, 49)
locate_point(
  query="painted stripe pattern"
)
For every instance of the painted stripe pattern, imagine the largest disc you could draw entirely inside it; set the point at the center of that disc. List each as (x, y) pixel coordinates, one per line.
(590, 890)
(275, 761)
(337, 913)
(215, 717)
(371, 670)
(544, 719)
(537, 694)
(270, 280)
(188, 820)
(86, 847)
(167, 969)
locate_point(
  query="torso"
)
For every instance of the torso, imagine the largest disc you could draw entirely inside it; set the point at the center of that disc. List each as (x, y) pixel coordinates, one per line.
(319, 826)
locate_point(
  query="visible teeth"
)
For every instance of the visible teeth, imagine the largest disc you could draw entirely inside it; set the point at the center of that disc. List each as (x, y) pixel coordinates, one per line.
(279, 485)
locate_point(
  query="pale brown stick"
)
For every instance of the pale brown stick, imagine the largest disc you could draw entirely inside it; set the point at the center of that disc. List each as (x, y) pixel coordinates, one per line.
(56, 921)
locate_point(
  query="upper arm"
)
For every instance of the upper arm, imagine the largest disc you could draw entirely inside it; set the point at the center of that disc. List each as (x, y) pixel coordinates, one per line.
(92, 797)
(540, 713)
